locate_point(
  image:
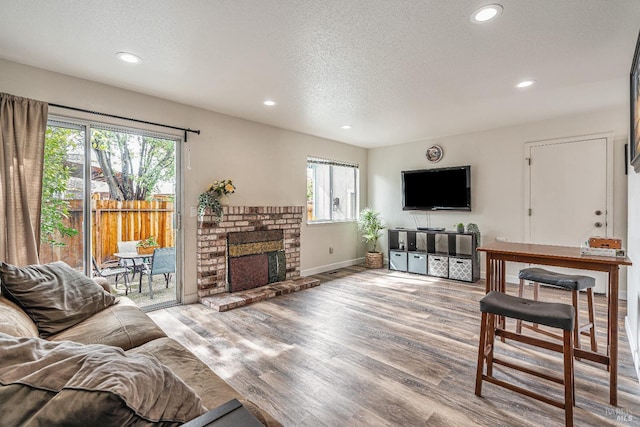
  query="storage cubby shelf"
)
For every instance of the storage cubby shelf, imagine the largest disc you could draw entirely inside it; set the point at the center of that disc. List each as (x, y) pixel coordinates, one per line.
(447, 254)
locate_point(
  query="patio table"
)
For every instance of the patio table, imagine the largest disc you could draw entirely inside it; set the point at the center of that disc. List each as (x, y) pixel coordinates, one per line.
(139, 262)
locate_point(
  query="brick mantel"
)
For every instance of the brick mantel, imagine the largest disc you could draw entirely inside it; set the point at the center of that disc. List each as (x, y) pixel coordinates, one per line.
(212, 241)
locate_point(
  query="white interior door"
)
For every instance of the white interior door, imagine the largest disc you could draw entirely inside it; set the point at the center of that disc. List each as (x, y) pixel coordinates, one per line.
(570, 192)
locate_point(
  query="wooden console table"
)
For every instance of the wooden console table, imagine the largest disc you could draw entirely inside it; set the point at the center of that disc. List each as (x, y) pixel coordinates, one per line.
(498, 253)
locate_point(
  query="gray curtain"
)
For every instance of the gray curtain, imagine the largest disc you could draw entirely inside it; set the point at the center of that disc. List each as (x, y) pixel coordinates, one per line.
(23, 123)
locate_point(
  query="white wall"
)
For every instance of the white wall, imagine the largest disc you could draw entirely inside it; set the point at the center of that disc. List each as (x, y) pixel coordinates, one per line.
(267, 164)
(498, 170)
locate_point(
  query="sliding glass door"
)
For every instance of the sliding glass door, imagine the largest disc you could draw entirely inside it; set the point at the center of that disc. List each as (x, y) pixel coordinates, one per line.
(109, 196)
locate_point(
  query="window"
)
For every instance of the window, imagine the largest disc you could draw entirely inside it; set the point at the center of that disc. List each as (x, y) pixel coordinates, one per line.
(332, 191)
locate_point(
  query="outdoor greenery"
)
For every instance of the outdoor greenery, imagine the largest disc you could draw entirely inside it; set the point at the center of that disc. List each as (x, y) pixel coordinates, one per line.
(56, 175)
(370, 225)
(133, 165)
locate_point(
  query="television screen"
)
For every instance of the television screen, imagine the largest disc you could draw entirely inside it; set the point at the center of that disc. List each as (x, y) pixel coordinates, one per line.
(437, 189)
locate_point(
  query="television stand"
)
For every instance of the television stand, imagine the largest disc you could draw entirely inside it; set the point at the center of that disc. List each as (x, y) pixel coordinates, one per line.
(435, 252)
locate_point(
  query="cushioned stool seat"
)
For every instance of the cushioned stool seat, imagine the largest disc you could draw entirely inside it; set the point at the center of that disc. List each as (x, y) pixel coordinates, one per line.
(555, 315)
(570, 282)
(560, 280)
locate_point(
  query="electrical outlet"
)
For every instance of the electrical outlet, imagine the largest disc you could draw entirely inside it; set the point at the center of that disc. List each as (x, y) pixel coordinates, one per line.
(194, 211)
(501, 239)
(330, 249)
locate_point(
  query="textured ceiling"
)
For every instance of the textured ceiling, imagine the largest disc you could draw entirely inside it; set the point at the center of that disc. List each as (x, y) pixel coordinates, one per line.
(396, 70)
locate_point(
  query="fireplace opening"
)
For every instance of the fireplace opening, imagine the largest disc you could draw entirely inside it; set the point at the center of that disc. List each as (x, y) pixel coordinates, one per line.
(255, 258)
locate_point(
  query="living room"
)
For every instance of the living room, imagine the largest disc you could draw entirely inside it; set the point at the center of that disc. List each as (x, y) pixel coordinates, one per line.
(268, 162)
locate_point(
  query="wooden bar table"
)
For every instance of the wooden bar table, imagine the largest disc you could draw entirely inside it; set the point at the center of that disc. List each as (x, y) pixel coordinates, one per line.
(499, 253)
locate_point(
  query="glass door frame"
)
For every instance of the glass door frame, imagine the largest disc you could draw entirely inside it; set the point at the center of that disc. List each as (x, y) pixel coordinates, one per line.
(87, 126)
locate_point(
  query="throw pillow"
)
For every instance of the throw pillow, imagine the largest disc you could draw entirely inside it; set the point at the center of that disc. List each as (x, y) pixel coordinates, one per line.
(54, 295)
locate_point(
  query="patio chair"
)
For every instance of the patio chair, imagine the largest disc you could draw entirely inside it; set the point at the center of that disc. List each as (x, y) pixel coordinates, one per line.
(163, 262)
(136, 264)
(111, 269)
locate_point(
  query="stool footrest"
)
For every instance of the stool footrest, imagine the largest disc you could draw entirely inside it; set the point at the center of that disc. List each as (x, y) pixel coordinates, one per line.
(526, 339)
(542, 331)
(538, 374)
(524, 391)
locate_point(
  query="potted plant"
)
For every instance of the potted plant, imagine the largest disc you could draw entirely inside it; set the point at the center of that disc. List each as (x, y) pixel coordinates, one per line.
(213, 197)
(459, 227)
(473, 228)
(370, 225)
(147, 246)
(209, 200)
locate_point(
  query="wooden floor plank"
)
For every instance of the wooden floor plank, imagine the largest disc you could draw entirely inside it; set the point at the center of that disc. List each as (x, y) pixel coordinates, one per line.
(385, 348)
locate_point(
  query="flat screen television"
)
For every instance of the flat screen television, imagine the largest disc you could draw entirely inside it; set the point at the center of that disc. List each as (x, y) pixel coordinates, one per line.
(446, 189)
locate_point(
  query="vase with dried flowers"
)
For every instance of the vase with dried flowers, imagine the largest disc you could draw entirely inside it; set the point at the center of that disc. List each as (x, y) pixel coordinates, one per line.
(211, 199)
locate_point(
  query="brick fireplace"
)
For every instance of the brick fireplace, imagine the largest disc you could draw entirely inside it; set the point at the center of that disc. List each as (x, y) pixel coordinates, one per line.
(255, 258)
(213, 242)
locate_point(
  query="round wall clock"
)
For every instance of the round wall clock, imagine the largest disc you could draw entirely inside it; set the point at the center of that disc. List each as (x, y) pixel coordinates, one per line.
(434, 153)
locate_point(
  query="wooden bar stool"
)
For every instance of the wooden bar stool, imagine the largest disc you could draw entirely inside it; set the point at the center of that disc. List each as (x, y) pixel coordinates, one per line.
(555, 315)
(573, 283)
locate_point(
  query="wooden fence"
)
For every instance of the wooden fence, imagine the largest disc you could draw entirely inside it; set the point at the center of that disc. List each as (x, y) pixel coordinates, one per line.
(113, 221)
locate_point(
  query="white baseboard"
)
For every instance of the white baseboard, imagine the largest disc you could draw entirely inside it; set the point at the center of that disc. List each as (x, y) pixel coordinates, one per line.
(330, 267)
(190, 299)
(634, 348)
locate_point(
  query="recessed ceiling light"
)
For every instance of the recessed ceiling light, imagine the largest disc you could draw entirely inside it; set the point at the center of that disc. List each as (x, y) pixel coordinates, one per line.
(269, 103)
(525, 83)
(486, 13)
(345, 126)
(129, 57)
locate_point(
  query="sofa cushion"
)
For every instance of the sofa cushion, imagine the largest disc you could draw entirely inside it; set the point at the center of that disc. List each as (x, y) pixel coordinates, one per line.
(72, 384)
(55, 296)
(14, 321)
(212, 389)
(122, 325)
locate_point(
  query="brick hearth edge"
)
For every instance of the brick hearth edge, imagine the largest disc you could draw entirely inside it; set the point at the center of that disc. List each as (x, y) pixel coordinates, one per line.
(229, 301)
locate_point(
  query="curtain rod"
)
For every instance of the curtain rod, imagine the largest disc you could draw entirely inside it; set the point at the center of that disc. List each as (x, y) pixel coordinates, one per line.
(82, 110)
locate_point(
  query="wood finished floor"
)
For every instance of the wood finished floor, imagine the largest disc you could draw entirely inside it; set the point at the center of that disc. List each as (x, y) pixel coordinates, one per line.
(384, 348)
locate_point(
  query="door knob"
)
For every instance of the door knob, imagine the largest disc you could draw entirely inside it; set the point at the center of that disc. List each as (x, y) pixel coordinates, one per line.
(598, 224)
(598, 212)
